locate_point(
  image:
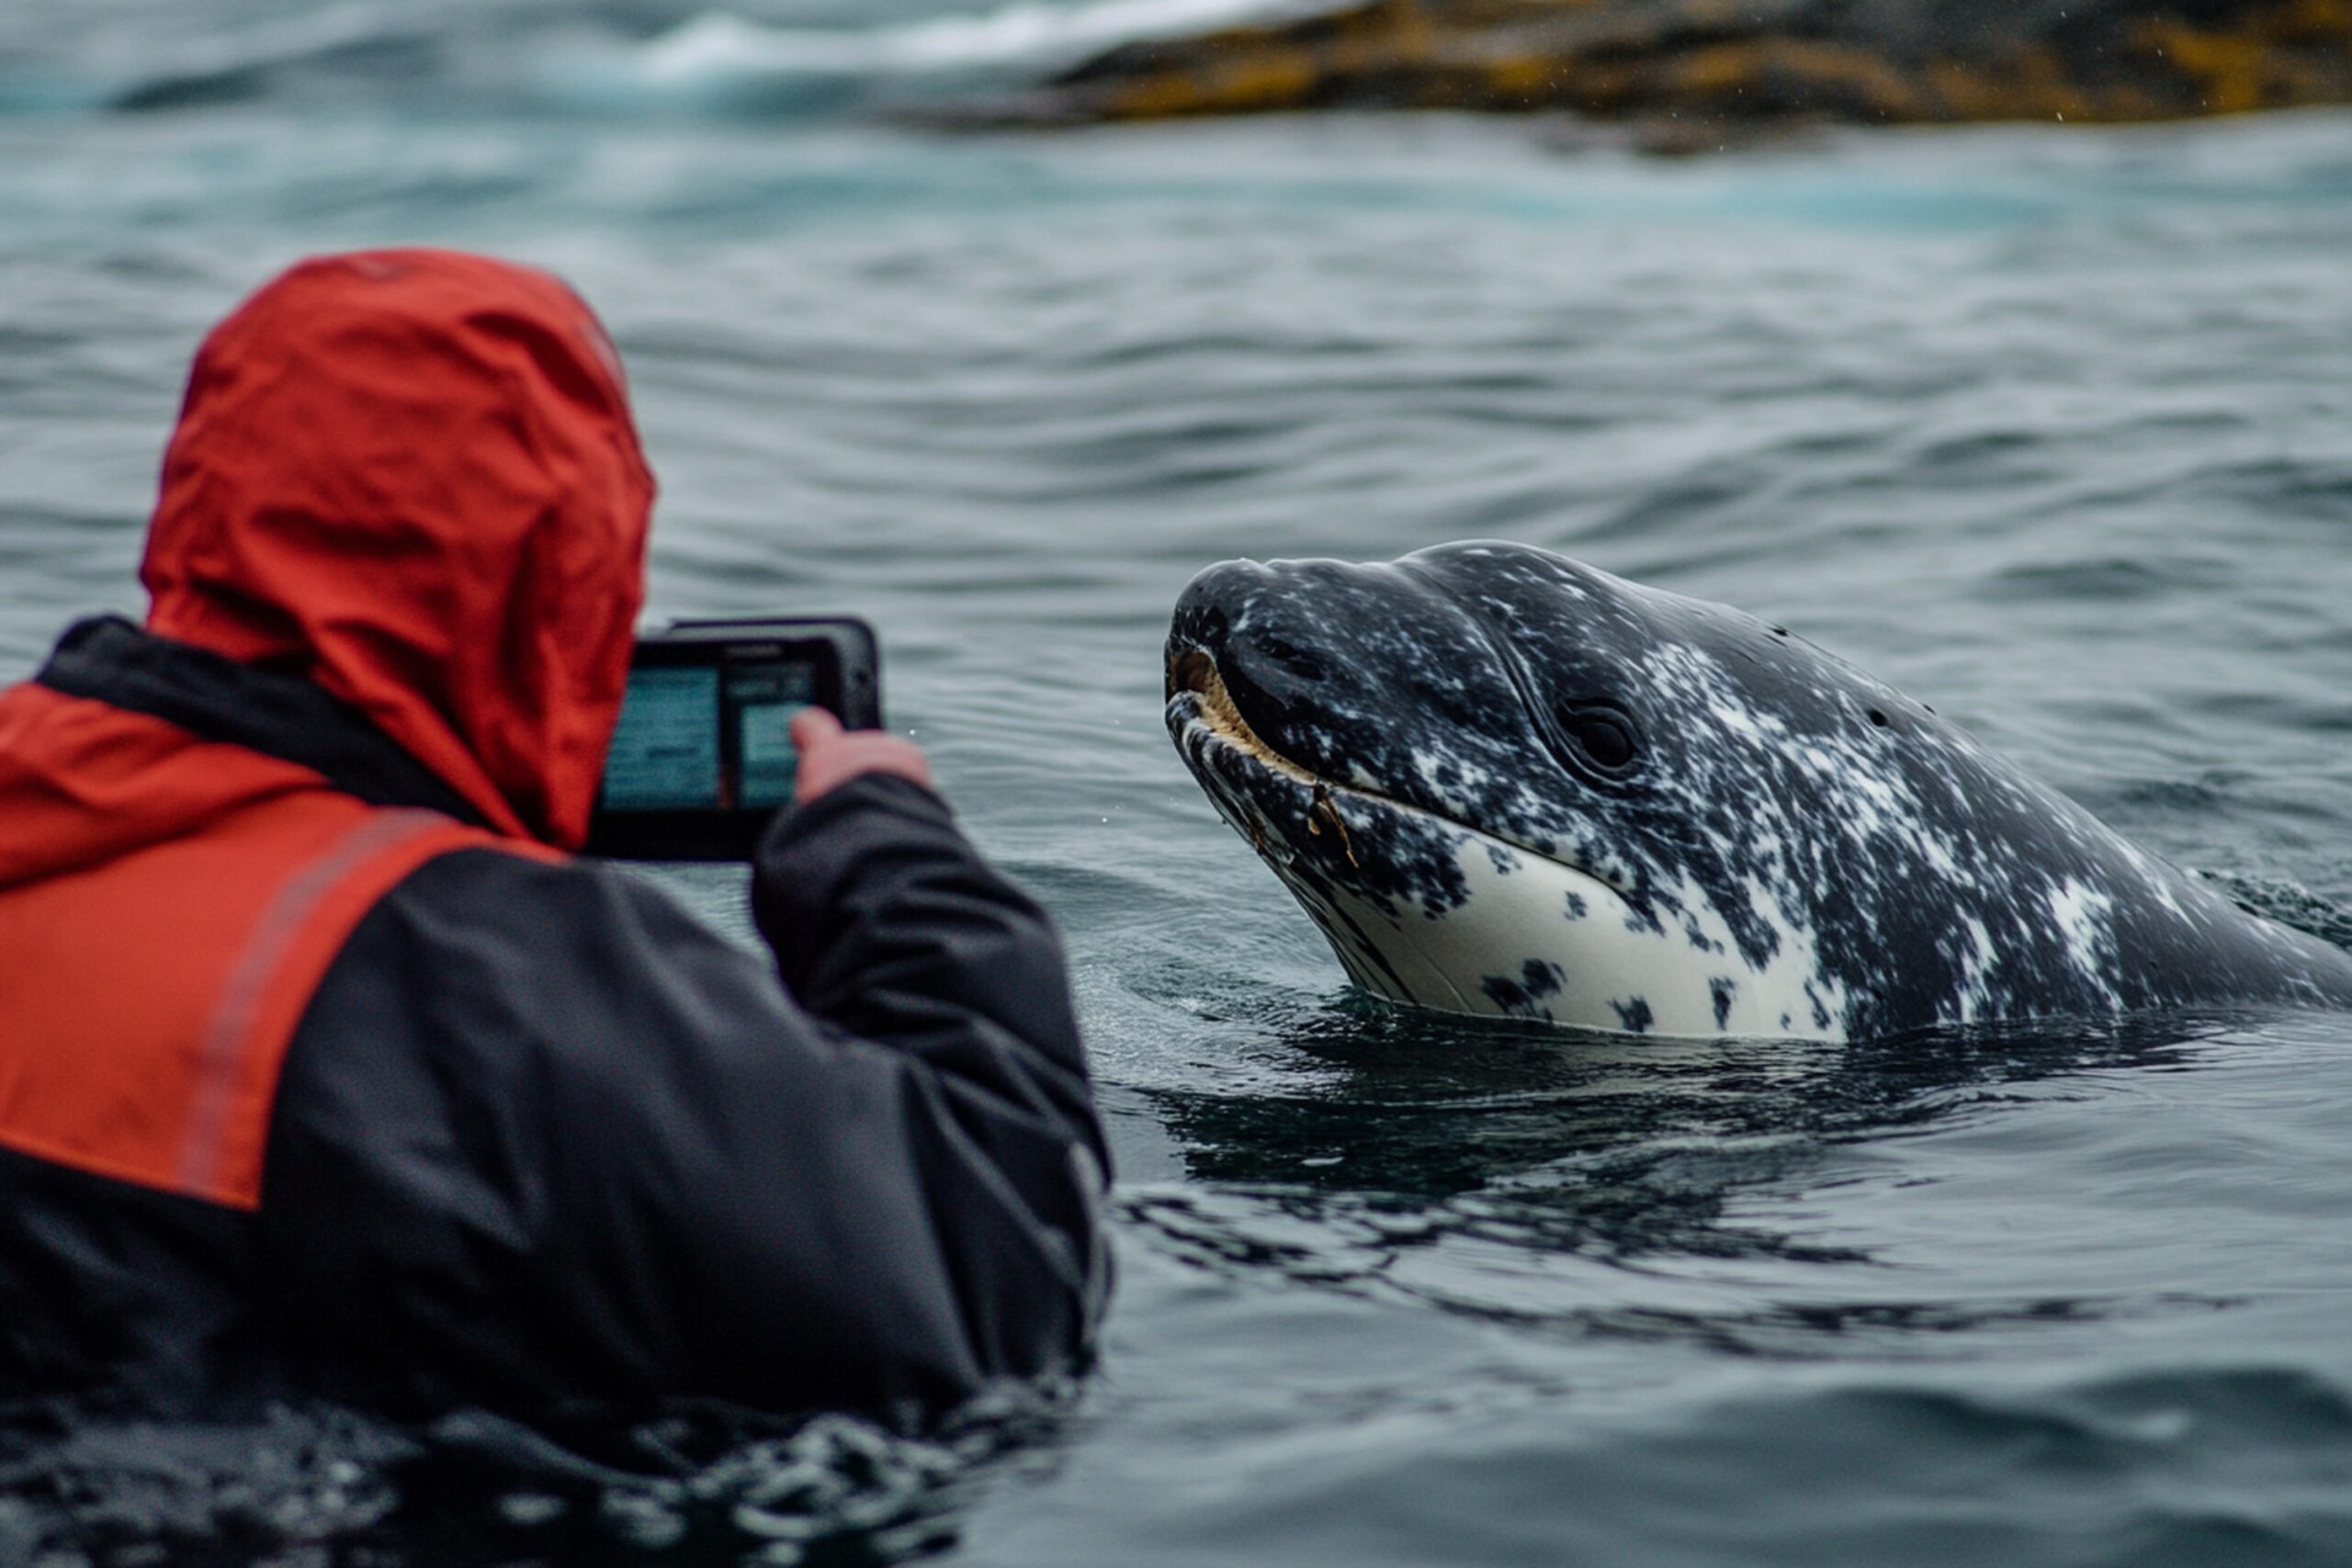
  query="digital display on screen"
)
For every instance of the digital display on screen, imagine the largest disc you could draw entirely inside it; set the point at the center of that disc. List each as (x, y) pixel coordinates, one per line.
(708, 737)
(702, 756)
(762, 699)
(665, 750)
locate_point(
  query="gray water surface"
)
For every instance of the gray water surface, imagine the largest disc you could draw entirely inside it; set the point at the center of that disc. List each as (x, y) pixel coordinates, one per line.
(2052, 429)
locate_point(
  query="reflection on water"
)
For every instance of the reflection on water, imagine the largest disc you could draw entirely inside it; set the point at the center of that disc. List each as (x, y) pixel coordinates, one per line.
(1427, 1106)
(1500, 1171)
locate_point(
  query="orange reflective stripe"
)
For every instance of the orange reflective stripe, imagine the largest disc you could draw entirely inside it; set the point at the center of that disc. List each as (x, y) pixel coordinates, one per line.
(239, 1057)
(146, 1004)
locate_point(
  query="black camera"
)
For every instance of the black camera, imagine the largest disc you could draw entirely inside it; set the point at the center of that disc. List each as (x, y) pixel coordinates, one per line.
(703, 754)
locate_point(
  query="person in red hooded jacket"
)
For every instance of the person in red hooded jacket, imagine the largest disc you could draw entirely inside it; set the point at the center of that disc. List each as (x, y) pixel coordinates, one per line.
(325, 1066)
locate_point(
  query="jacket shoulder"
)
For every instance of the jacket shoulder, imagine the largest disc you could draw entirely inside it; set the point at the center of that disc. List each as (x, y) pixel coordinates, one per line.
(501, 960)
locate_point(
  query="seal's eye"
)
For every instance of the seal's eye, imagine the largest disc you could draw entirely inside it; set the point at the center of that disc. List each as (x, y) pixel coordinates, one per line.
(1605, 741)
(1602, 737)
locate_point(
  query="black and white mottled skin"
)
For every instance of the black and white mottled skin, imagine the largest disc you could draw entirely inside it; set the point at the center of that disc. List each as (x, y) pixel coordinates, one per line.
(1504, 782)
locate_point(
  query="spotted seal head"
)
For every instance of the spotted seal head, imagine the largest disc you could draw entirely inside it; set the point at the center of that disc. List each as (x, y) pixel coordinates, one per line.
(1504, 782)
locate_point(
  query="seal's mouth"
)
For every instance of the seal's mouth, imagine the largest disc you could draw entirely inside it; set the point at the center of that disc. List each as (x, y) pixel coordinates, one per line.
(1375, 872)
(1280, 793)
(1203, 718)
(1195, 671)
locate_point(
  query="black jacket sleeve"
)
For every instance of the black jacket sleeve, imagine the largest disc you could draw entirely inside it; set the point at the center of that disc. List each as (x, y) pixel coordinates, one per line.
(542, 1135)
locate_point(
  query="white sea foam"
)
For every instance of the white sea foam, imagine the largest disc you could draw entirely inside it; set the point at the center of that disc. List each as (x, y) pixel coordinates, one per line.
(718, 46)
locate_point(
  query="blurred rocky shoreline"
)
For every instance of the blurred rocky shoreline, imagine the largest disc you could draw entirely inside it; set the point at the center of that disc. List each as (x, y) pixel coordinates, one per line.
(1691, 74)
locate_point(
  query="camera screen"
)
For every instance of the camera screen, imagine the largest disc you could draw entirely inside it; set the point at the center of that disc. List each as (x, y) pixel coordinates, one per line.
(708, 737)
(761, 701)
(665, 750)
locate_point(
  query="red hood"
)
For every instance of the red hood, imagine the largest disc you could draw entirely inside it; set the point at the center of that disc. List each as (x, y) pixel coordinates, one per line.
(412, 477)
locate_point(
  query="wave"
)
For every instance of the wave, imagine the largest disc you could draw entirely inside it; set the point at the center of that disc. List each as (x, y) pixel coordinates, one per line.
(225, 65)
(523, 58)
(719, 60)
(1027, 34)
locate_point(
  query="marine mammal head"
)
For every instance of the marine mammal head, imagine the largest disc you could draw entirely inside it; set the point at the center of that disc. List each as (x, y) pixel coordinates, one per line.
(1504, 781)
(1471, 768)
(1495, 686)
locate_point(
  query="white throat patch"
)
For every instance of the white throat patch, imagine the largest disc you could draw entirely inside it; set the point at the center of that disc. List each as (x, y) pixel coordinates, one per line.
(1541, 940)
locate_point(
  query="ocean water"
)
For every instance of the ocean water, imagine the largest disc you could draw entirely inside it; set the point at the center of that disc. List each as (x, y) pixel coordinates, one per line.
(2051, 428)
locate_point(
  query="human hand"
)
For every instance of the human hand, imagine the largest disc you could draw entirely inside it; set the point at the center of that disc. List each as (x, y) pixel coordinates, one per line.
(831, 756)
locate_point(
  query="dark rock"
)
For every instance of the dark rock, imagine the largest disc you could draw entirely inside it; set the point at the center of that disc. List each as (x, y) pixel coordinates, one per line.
(1688, 75)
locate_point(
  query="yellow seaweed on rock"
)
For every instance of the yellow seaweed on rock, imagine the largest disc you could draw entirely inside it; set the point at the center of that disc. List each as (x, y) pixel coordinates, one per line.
(1254, 83)
(1793, 71)
(2253, 67)
(1720, 62)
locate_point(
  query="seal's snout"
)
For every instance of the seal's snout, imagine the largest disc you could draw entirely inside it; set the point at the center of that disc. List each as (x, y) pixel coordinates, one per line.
(1243, 667)
(1211, 602)
(1223, 628)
